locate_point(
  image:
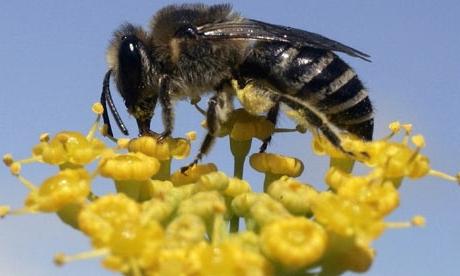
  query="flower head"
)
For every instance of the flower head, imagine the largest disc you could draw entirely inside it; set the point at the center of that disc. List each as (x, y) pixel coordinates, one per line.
(129, 166)
(68, 147)
(294, 242)
(70, 186)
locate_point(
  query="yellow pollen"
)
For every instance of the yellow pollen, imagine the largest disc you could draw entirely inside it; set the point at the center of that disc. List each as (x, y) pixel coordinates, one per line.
(15, 168)
(418, 141)
(8, 159)
(419, 221)
(4, 210)
(394, 126)
(97, 108)
(44, 137)
(407, 128)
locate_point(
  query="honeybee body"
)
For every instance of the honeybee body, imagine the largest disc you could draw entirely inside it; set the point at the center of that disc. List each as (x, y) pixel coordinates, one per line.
(196, 49)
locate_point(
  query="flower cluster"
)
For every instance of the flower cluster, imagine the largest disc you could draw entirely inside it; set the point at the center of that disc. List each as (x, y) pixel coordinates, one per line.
(158, 222)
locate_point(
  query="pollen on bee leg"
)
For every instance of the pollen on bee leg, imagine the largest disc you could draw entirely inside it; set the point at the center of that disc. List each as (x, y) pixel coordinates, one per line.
(61, 259)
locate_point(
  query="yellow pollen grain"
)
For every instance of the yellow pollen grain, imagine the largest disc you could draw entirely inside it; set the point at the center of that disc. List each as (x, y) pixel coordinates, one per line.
(407, 128)
(418, 140)
(191, 135)
(8, 159)
(44, 137)
(4, 210)
(418, 220)
(394, 126)
(97, 108)
(15, 168)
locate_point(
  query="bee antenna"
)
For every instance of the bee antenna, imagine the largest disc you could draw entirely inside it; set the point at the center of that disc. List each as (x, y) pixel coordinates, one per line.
(106, 98)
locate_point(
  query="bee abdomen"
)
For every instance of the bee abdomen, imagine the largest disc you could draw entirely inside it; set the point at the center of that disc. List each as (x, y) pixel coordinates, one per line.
(326, 82)
(316, 78)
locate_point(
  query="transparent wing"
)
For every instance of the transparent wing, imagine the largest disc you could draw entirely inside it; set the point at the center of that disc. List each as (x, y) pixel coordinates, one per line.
(250, 29)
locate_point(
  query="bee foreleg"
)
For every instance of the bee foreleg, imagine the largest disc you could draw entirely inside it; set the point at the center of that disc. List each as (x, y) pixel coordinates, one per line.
(167, 109)
(272, 116)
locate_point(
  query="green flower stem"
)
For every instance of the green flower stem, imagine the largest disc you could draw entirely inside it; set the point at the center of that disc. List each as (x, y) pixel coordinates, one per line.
(269, 178)
(234, 224)
(69, 214)
(396, 181)
(345, 164)
(250, 224)
(219, 231)
(240, 150)
(165, 170)
(131, 188)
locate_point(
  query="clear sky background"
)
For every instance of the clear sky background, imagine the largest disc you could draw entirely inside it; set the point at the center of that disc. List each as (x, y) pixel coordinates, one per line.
(52, 61)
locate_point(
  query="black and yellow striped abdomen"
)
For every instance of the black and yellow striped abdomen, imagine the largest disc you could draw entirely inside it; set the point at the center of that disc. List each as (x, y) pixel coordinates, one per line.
(315, 78)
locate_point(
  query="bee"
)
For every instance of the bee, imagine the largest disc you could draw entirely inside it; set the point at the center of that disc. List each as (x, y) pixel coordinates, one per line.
(194, 49)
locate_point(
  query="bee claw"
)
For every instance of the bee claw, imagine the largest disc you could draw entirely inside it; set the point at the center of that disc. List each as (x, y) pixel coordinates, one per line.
(149, 133)
(184, 169)
(162, 137)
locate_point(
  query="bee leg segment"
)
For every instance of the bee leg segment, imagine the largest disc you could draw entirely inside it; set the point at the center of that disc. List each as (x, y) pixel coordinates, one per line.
(219, 107)
(167, 112)
(272, 116)
(144, 128)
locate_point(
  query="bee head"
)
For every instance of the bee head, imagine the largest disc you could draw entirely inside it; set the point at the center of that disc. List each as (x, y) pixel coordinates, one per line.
(130, 63)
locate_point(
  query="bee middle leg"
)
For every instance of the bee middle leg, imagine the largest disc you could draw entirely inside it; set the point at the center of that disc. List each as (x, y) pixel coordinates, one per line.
(272, 116)
(167, 108)
(219, 106)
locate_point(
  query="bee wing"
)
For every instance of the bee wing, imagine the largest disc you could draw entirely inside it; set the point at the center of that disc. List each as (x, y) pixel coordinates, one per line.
(250, 29)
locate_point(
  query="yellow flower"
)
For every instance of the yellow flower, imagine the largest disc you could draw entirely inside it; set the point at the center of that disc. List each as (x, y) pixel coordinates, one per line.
(185, 231)
(228, 259)
(66, 187)
(129, 166)
(372, 189)
(172, 262)
(114, 222)
(242, 203)
(192, 174)
(68, 147)
(294, 242)
(242, 126)
(276, 164)
(177, 148)
(236, 187)
(266, 210)
(295, 196)
(212, 181)
(203, 204)
(346, 217)
(345, 253)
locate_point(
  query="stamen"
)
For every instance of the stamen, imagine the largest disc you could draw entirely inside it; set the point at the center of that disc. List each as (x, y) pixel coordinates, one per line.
(61, 259)
(445, 176)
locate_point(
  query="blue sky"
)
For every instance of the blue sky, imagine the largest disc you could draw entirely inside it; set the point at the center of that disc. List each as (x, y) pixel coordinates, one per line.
(52, 61)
